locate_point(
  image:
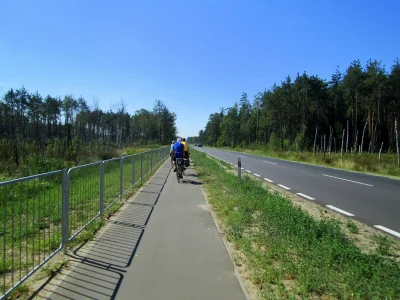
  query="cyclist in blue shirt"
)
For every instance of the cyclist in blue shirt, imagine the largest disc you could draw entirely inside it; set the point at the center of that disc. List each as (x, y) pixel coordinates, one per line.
(177, 150)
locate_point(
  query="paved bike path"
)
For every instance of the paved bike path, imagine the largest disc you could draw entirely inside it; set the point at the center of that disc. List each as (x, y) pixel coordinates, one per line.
(163, 244)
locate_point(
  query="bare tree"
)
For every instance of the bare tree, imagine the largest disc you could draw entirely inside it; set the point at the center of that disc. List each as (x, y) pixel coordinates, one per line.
(362, 139)
(315, 138)
(344, 130)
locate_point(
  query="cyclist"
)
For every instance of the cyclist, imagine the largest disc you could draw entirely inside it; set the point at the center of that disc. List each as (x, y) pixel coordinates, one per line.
(185, 149)
(177, 151)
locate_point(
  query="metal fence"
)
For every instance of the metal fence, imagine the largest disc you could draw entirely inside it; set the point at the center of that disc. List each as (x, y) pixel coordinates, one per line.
(40, 214)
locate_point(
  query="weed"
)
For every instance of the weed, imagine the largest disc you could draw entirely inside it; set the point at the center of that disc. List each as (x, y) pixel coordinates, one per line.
(352, 227)
(384, 244)
(21, 291)
(52, 269)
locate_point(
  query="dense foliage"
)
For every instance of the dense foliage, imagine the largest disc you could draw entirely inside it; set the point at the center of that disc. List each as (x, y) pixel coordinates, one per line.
(51, 127)
(359, 107)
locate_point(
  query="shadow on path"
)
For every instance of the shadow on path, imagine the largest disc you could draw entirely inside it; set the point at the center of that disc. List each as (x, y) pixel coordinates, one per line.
(97, 267)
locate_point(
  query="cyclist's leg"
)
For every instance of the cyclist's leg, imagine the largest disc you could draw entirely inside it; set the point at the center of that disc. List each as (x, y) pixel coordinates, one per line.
(174, 163)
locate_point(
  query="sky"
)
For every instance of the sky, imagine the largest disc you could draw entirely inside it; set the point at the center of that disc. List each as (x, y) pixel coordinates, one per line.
(195, 56)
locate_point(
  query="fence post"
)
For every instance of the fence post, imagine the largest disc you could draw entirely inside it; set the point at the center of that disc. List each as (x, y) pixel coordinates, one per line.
(239, 167)
(121, 177)
(102, 190)
(133, 170)
(65, 212)
(141, 166)
(151, 160)
(147, 162)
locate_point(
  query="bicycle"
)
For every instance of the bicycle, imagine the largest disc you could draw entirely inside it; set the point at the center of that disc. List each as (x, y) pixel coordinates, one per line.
(179, 169)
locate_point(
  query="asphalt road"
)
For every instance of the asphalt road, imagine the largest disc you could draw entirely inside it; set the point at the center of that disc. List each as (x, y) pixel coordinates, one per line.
(373, 200)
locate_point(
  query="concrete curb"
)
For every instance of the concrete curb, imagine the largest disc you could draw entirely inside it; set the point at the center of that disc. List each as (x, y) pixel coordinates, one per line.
(237, 274)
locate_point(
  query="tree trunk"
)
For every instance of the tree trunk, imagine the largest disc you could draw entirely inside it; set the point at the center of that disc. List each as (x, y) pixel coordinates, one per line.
(344, 130)
(355, 144)
(320, 149)
(324, 144)
(362, 139)
(334, 140)
(315, 138)
(380, 151)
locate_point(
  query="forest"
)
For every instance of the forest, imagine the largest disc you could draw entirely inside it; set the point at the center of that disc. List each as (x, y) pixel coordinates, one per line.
(356, 110)
(40, 134)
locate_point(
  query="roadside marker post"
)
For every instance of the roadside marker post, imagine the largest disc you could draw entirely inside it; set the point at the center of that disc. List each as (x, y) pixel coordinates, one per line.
(239, 167)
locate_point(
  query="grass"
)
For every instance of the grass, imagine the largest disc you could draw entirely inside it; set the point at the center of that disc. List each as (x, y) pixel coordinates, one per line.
(366, 162)
(30, 211)
(352, 227)
(288, 252)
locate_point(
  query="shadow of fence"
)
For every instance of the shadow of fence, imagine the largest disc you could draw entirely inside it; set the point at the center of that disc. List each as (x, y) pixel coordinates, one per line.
(97, 267)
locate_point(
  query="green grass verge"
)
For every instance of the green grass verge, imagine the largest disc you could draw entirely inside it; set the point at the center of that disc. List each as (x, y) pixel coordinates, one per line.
(288, 252)
(366, 162)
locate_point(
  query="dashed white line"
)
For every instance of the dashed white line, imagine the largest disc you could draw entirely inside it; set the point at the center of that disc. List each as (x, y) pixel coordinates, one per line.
(256, 175)
(269, 162)
(284, 187)
(305, 196)
(395, 233)
(269, 180)
(248, 171)
(340, 210)
(348, 180)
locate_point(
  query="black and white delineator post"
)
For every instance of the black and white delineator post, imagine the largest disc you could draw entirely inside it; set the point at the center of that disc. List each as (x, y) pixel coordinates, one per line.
(239, 167)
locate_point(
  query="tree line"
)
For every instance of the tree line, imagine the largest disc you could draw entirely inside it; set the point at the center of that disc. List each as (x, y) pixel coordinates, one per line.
(357, 109)
(68, 127)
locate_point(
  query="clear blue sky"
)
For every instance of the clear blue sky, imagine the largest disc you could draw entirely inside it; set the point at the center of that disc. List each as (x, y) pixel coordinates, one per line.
(195, 56)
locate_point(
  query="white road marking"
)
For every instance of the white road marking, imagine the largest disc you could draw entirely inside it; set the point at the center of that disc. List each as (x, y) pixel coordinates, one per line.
(242, 168)
(256, 175)
(268, 162)
(269, 180)
(305, 196)
(340, 210)
(285, 187)
(348, 180)
(248, 171)
(395, 233)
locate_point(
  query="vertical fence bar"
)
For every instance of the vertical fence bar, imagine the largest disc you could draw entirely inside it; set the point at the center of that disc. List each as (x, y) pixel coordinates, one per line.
(141, 166)
(133, 170)
(102, 190)
(151, 160)
(65, 207)
(4, 238)
(121, 177)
